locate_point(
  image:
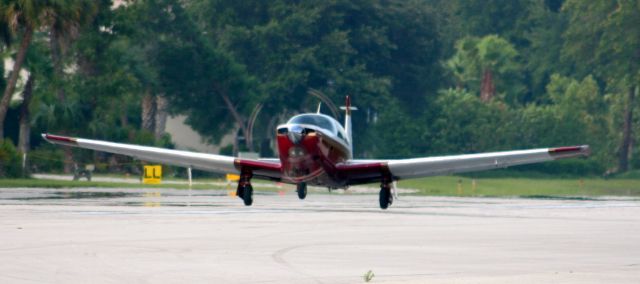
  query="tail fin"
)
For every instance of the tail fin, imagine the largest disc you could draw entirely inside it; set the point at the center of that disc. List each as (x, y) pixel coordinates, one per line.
(347, 120)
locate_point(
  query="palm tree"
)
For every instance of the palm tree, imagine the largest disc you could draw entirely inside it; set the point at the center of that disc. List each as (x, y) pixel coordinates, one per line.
(64, 27)
(25, 16)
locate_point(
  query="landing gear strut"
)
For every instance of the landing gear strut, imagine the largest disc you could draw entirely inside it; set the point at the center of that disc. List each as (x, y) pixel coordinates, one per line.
(245, 190)
(302, 190)
(385, 195)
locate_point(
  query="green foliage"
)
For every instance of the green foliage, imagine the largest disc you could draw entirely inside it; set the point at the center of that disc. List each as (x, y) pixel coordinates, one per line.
(371, 50)
(465, 124)
(597, 37)
(562, 71)
(10, 160)
(538, 187)
(491, 53)
(485, 17)
(577, 114)
(226, 150)
(46, 159)
(3, 82)
(542, 56)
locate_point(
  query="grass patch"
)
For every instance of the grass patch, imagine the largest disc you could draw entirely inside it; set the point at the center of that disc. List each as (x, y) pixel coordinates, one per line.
(524, 187)
(45, 183)
(434, 186)
(75, 184)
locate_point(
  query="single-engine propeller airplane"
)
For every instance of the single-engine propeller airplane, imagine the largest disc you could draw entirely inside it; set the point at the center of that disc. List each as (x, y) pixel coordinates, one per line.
(315, 149)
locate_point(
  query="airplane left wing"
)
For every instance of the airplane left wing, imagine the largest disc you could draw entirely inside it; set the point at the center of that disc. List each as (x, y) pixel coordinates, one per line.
(421, 167)
(268, 169)
(362, 171)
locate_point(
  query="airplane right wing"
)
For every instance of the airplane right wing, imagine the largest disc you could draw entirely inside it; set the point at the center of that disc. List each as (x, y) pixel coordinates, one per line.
(363, 171)
(267, 169)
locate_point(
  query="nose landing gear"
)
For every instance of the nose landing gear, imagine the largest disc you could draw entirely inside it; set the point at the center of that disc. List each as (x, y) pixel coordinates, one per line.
(302, 190)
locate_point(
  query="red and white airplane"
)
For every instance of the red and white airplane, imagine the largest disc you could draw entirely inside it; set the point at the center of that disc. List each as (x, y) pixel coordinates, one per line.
(315, 149)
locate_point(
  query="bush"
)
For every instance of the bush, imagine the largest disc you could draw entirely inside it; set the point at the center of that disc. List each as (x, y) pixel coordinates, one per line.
(47, 159)
(10, 165)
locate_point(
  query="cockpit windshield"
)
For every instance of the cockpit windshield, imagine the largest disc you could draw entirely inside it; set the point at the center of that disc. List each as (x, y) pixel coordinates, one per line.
(325, 122)
(314, 119)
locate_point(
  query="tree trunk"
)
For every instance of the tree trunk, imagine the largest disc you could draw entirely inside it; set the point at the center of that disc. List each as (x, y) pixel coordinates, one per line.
(124, 121)
(56, 58)
(623, 162)
(236, 115)
(161, 115)
(487, 89)
(13, 78)
(251, 123)
(148, 112)
(68, 160)
(24, 143)
(25, 117)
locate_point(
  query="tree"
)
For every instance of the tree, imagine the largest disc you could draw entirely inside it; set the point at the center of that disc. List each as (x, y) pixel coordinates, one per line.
(489, 65)
(506, 18)
(597, 40)
(38, 62)
(24, 16)
(382, 53)
(542, 56)
(27, 16)
(467, 124)
(64, 26)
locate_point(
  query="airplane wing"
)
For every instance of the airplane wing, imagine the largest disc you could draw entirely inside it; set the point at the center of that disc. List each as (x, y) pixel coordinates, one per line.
(362, 171)
(267, 169)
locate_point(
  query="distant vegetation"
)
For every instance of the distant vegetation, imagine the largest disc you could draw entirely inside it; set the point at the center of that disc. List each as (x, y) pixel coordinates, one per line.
(537, 187)
(430, 77)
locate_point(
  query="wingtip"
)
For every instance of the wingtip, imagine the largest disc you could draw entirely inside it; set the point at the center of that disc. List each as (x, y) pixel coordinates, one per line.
(56, 139)
(572, 151)
(585, 150)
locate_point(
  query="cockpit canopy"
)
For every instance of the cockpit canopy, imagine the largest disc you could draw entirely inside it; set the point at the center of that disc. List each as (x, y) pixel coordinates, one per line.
(320, 120)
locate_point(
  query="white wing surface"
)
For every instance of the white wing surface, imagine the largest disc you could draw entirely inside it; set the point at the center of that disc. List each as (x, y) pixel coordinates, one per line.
(364, 171)
(432, 166)
(208, 162)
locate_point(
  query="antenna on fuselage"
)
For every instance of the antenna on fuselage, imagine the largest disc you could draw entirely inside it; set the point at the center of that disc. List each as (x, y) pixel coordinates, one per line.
(319, 106)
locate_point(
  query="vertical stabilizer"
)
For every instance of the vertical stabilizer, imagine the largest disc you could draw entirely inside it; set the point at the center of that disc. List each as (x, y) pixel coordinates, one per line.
(347, 121)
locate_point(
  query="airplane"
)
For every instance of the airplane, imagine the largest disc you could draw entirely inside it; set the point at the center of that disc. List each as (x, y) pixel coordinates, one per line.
(314, 149)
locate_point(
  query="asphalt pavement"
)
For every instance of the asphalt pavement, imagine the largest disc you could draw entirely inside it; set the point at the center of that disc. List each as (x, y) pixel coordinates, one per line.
(97, 235)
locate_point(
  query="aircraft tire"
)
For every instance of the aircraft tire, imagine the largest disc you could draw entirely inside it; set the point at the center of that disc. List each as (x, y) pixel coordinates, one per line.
(247, 195)
(240, 192)
(302, 190)
(385, 197)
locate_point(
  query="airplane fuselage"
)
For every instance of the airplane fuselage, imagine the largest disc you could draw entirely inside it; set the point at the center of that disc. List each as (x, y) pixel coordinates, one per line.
(310, 146)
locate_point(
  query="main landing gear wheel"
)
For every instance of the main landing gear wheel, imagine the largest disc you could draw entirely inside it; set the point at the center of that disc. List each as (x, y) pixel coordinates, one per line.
(302, 190)
(245, 190)
(385, 196)
(247, 195)
(240, 192)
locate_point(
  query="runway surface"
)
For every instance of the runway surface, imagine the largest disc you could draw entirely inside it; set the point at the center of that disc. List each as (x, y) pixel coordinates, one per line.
(101, 235)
